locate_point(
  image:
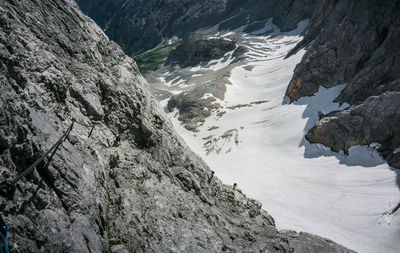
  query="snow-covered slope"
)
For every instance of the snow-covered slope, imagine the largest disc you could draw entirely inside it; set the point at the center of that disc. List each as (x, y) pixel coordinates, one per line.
(256, 139)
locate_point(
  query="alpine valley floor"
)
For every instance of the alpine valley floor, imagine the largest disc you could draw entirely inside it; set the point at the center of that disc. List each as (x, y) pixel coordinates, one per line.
(256, 139)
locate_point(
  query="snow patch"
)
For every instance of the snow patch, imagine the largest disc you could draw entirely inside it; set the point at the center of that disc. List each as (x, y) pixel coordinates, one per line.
(304, 186)
(207, 95)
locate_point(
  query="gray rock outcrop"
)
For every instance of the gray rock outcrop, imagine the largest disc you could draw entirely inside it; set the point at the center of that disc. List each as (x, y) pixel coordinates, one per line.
(348, 46)
(149, 193)
(354, 43)
(377, 119)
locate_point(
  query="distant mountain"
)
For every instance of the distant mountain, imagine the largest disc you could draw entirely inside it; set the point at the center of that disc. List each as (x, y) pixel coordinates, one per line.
(141, 25)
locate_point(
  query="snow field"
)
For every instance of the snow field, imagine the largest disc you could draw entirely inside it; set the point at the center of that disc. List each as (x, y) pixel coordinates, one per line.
(304, 186)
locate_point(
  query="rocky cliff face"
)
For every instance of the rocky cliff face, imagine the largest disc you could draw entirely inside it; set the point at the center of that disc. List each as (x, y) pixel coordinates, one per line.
(354, 43)
(148, 194)
(141, 25)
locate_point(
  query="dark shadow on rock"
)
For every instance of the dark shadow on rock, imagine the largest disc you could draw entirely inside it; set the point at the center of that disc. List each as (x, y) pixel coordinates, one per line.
(358, 156)
(321, 104)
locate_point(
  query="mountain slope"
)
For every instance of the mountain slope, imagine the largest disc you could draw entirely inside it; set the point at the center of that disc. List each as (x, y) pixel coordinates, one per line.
(148, 194)
(248, 133)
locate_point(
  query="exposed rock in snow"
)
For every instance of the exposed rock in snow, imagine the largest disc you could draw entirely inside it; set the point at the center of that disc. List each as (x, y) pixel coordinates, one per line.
(377, 119)
(191, 104)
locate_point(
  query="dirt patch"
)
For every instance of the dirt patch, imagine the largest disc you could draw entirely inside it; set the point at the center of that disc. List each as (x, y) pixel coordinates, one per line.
(212, 128)
(220, 114)
(262, 122)
(249, 67)
(269, 108)
(208, 137)
(260, 102)
(234, 107)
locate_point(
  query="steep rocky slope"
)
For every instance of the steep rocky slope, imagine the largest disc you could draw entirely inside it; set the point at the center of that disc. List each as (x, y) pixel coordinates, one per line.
(141, 25)
(354, 43)
(148, 194)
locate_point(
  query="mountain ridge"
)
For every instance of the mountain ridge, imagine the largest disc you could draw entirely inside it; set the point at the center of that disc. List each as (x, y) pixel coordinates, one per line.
(142, 25)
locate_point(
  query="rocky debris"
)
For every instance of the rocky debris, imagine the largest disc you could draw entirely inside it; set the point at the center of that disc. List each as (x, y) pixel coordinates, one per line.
(234, 107)
(377, 119)
(141, 25)
(222, 143)
(260, 102)
(239, 106)
(197, 104)
(213, 128)
(299, 242)
(346, 46)
(148, 194)
(196, 50)
(200, 92)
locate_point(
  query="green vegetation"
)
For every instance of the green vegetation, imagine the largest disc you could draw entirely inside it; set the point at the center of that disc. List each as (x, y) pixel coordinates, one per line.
(154, 58)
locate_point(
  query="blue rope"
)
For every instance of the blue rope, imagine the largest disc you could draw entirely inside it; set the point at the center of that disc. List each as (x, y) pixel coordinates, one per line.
(5, 238)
